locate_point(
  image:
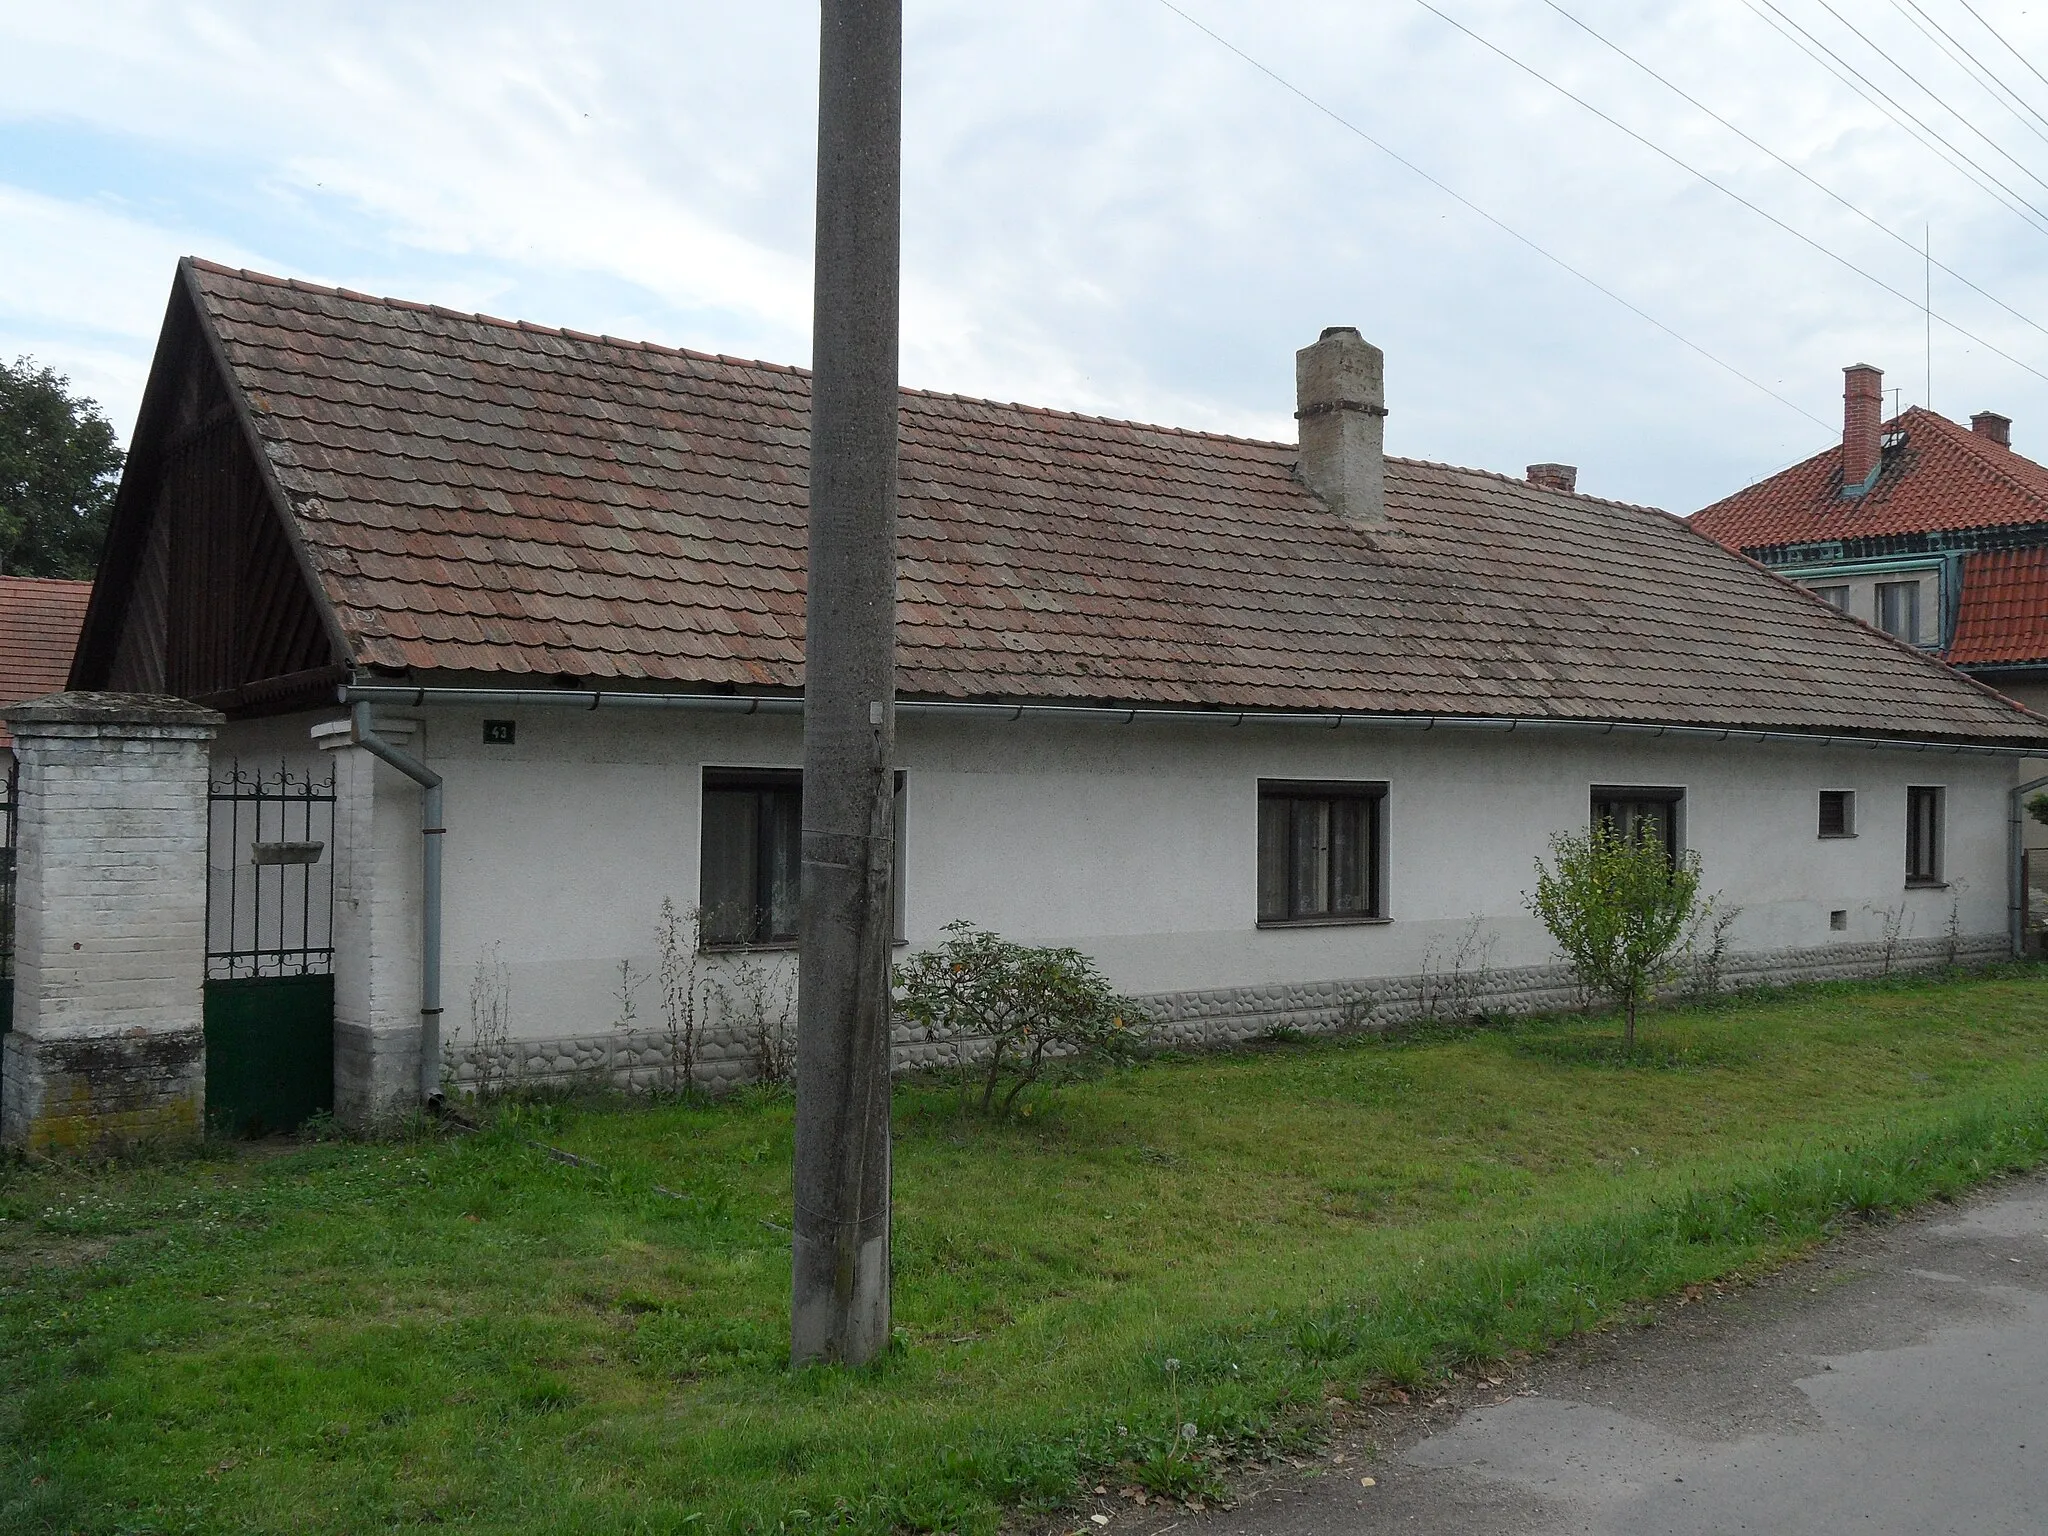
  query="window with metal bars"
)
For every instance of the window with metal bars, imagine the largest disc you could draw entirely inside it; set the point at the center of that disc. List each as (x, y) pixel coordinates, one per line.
(1646, 812)
(1320, 852)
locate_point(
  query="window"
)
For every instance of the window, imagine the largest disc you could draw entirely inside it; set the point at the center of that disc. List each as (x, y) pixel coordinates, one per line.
(1898, 610)
(1319, 852)
(1834, 597)
(1923, 835)
(750, 866)
(751, 856)
(1636, 811)
(1838, 813)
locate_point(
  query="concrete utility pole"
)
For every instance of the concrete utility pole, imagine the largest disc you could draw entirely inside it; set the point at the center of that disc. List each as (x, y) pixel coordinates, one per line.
(839, 1304)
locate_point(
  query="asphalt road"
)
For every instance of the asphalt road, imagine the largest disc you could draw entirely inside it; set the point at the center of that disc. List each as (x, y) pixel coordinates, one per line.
(1897, 1383)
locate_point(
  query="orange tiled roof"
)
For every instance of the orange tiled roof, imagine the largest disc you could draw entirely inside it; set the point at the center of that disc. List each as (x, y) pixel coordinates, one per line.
(479, 496)
(2003, 616)
(1945, 478)
(39, 624)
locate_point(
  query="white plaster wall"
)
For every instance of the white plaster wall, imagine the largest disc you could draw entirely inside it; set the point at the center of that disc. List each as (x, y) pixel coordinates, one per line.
(1136, 844)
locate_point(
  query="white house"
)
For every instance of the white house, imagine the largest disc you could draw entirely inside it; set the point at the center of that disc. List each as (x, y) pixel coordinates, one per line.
(1275, 732)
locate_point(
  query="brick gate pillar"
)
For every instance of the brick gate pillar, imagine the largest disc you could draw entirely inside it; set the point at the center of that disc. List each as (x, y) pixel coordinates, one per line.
(108, 1046)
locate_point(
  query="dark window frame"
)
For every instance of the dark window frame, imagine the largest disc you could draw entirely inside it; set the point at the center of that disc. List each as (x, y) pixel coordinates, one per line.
(1279, 870)
(1846, 814)
(1924, 808)
(715, 779)
(761, 933)
(1606, 796)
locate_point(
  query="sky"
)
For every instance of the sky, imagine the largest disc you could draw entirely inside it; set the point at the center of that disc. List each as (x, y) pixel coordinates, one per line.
(1110, 206)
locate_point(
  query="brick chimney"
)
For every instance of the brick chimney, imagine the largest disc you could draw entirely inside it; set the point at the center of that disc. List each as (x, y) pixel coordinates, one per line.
(1340, 397)
(1994, 426)
(1862, 422)
(1555, 477)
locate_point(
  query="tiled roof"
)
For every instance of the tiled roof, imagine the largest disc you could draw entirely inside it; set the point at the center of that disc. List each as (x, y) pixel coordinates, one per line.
(39, 624)
(2003, 616)
(1944, 478)
(480, 496)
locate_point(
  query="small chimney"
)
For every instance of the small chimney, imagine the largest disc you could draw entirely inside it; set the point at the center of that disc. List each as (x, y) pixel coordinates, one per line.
(1862, 421)
(1340, 394)
(1994, 426)
(1555, 477)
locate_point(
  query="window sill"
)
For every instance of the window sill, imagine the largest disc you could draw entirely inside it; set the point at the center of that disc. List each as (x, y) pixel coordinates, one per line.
(1324, 922)
(1926, 885)
(1837, 837)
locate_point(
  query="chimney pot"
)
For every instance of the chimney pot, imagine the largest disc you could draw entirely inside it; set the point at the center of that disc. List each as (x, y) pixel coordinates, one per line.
(1340, 397)
(1994, 426)
(1555, 477)
(1862, 422)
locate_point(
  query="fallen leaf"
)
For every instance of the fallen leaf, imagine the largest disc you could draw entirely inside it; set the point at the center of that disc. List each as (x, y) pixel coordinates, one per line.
(1100, 1489)
(1368, 1482)
(1100, 1519)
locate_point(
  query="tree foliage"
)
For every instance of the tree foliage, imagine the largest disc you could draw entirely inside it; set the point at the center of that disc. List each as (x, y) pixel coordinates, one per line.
(60, 465)
(1618, 907)
(1028, 1008)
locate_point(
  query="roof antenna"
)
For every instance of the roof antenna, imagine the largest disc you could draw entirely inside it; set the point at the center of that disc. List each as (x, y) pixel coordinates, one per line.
(1927, 302)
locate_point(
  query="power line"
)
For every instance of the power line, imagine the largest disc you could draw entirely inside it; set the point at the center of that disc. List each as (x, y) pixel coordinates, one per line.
(1504, 227)
(1796, 170)
(2008, 47)
(1928, 91)
(1727, 191)
(1927, 136)
(1970, 65)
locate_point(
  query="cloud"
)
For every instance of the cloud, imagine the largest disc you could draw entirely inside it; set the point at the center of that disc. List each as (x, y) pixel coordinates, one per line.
(1103, 208)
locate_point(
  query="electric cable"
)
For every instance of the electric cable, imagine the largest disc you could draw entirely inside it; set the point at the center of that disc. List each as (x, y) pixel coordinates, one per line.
(1501, 224)
(1931, 95)
(1970, 65)
(1729, 192)
(1928, 137)
(2008, 47)
(1814, 182)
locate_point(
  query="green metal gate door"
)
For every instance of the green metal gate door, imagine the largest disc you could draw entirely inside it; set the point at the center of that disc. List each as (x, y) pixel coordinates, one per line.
(269, 950)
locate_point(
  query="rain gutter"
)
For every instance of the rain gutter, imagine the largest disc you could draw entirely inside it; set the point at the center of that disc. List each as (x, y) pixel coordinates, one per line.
(403, 695)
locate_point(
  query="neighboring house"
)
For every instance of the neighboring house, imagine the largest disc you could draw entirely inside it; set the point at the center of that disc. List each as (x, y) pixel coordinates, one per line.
(39, 624)
(1935, 533)
(1276, 732)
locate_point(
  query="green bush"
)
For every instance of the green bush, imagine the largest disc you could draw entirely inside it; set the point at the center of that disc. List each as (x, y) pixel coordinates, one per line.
(1029, 1008)
(1618, 907)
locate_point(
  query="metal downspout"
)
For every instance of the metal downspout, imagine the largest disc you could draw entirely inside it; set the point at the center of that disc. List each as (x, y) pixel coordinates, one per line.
(364, 735)
(2016, 866)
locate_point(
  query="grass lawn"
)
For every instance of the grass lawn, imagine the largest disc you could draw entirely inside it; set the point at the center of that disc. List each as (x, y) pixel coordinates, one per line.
(464, 1333)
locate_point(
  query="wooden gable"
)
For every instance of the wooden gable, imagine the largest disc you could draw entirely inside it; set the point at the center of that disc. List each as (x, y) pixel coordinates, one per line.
(202, 593)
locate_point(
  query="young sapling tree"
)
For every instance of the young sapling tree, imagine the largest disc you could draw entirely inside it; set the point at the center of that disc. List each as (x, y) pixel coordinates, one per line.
(1618, 907)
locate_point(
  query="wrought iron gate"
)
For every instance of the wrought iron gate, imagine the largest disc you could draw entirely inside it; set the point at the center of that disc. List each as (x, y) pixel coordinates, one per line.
(269, 949)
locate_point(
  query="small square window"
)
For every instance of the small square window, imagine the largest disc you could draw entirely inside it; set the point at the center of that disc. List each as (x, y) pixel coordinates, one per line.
(1838, 813)
(1319, 852)
(1838, 920)
(1834, 597)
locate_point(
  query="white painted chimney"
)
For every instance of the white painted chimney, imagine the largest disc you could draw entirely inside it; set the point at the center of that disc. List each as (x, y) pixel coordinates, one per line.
(1340, 387)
